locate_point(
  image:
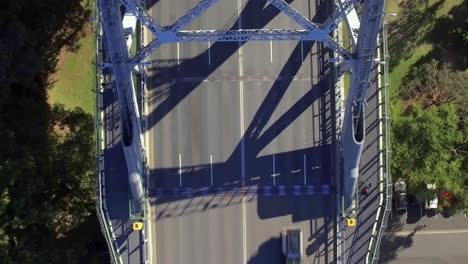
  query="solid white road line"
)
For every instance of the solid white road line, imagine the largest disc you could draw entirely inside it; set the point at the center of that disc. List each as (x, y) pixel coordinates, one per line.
(180, 170)
(244, 233)
(305, 170)
(274, 171)
(209, 52)
(241, 102)
(178, 54)
(211, 169)
(271, 51)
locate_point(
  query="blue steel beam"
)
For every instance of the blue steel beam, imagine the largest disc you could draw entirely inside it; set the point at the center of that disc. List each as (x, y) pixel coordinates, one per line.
(231, 36)
(311, 32)
(192, 14)
(333, 45)
(149, 22)
(248, 34)
(129, 114)
(342, 10)
(168, 36)
(145, 51)
(353, 123)
(243, 35)
(352, 22)
(294, 14)
(361, 66)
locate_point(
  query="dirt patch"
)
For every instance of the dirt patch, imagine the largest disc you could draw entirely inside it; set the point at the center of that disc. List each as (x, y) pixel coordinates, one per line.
(408, 105)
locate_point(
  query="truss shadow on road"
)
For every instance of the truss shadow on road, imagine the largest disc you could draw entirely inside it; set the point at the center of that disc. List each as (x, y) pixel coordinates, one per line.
(255, 141)
(164, 183)
(162, 78)
(318, 246)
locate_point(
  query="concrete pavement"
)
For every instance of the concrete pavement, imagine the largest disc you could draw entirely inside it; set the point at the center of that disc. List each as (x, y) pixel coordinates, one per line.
(435, 249)
(443, 240)
(439, 242)
(239, 115)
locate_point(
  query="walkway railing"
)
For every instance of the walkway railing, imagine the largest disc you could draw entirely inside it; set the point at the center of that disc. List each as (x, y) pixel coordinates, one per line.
(385, 207)
(101, 207)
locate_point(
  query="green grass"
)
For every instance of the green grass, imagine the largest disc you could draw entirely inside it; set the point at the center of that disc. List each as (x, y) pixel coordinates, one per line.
(75, 76)
(402, 69)
(404, 66)
(346, 45)
(346, 84)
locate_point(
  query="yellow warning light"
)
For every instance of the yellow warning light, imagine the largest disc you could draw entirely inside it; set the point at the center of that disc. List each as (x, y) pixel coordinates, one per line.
(137, 226)
(350, 221)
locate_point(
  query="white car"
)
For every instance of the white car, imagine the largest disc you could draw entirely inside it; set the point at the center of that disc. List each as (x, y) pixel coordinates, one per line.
(434, 202)
(292, 248)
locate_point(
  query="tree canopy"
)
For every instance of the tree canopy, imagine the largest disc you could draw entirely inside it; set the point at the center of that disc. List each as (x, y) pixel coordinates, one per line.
(434, 83)
(47, 153)
(426, 149)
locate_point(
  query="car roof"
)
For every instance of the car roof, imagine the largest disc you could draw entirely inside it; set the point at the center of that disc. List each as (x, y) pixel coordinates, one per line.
(400, 186)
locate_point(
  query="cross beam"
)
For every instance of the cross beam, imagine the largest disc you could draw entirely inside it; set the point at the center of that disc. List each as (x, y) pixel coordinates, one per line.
(248, 35)
(294, 14)
(143, 16)
(343, 9)
(173, 34)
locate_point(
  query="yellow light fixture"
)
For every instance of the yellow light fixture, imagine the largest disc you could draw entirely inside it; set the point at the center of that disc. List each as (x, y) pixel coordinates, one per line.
(137, 226)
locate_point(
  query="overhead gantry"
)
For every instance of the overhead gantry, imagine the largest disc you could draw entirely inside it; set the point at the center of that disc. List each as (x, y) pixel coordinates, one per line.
(358, 61)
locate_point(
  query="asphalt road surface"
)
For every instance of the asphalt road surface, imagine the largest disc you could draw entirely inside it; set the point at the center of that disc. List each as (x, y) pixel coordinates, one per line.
(250, 128)
(431, 247)
(442, 240)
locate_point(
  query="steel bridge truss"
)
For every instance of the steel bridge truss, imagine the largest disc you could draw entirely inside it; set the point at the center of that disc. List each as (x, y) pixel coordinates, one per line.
(359, 62)
(175, 33)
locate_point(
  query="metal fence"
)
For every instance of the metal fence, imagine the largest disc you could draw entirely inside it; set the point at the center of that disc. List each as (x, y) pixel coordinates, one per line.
(385, 207)
(340, 102)
(140, 31)
(101, 207)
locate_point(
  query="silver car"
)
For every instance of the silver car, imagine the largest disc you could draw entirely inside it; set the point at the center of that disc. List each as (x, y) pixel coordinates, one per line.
(292, 248)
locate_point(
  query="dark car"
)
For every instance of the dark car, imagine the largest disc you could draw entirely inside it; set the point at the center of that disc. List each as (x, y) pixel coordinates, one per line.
(401, 201)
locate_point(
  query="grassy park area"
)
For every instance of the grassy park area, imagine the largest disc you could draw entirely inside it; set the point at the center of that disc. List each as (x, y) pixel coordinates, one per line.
(74, 79)
(346, 45)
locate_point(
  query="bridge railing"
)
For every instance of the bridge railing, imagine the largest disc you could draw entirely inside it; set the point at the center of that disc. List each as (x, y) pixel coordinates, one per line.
(141, 91)
(385, 207)
(101, 208)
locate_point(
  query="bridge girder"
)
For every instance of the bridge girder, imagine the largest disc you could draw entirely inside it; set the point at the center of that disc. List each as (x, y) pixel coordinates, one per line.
(362, 59)
(294, 15)
(174, 33)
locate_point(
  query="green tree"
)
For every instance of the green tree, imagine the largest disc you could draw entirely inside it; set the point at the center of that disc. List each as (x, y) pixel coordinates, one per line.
(46, 172)
(425, 143)
(72, 162)
(435, 84)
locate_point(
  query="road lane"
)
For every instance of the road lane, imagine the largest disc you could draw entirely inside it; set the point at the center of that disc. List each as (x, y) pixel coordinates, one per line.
(200, 110)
